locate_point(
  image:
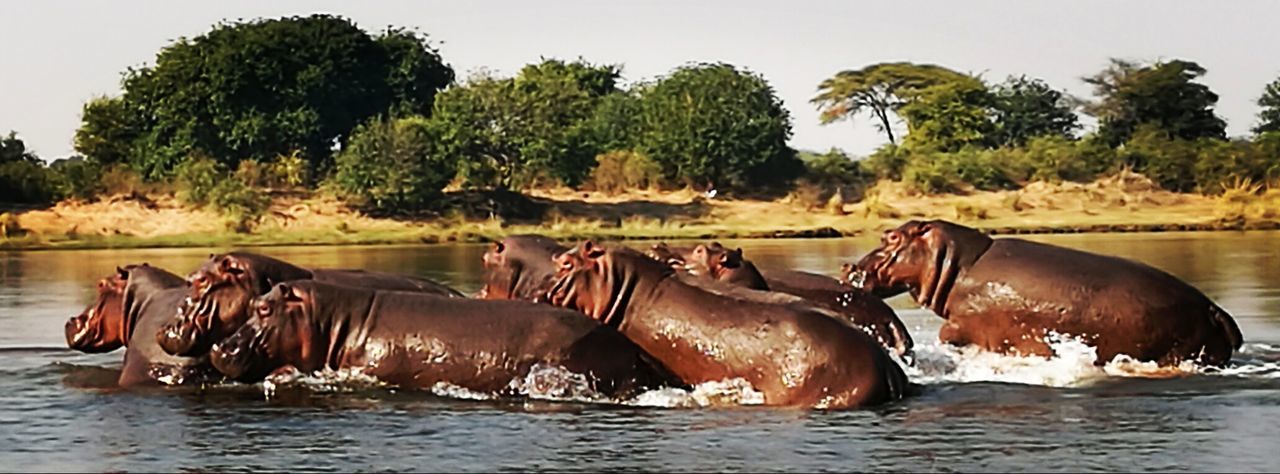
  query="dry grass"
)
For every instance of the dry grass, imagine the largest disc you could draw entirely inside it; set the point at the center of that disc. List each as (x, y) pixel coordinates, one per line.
(1125, 200)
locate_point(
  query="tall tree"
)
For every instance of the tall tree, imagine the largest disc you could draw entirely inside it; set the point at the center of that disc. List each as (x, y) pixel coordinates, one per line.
(504, 132)
(1164, 94)
(1029, 108)
(259, 89)
(14, 150)
(1269, 116)
(879, 90)
(949, 116)
(717, 123)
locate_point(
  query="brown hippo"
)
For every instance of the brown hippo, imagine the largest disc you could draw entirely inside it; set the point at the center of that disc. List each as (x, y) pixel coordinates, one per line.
(131, 306)
(221, 289)
(416, 340)
(794, 354)
(519, 267)
(1005, 295)
(718, 263)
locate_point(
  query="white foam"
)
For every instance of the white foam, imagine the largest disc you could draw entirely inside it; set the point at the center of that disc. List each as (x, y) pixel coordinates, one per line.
(1072, 366)
(325, 380)
(730, 392)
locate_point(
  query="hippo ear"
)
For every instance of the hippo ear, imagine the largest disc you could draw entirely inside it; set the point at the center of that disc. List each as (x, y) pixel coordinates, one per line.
(232, 265)
(122, 273)
(592, 250)
(291, 293)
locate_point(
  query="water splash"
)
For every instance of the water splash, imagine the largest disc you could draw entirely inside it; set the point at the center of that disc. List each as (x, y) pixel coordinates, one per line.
(323, 381)
(1072, 366)
(730, 392)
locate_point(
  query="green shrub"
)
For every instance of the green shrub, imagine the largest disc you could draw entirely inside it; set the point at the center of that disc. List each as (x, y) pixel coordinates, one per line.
(1170, 162)
(834, 168)
(931, 173)
(121, 179)
(27, 182)
(203, 182)
(979, 168)
(78, 178)
(288, 171)
(392, 166)
(887, 162)
(1055, 159)
(620, 171)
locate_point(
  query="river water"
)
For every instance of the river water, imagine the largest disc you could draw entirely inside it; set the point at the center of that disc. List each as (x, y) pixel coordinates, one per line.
(60, 410)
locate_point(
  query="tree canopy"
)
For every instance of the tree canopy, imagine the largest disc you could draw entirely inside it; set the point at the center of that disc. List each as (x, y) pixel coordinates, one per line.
(879, 90)
(260, 89)
(719, 124)
(1029, 108)
(1163, 94)
(1269, 116)
(505, 132)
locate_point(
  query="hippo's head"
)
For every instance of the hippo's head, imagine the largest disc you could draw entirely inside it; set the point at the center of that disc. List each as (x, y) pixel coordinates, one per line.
(712, 261)
(272, 338)
(101, 326)
(917, 254)
(520, 267)
(600, 281)
(219, 298)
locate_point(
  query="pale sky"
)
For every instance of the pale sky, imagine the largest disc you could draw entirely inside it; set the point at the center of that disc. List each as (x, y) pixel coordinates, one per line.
(55, 55)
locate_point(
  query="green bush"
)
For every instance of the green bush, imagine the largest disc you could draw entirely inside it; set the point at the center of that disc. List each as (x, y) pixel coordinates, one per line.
(834, 168)
(1170, 162)
(621, 171)
(931, 173)
(980, 168)
(392, 166)
(288, 171)
(78, 178)
(887, 162)
(203, 182)
(27, 182)
(1054, 158)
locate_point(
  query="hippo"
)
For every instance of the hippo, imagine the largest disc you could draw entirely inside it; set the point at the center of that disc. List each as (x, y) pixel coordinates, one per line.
(1007, 295)
(221, 289)
(416, 340)
(795, 355)
(718, 263)
(130, 307)
(519, 267)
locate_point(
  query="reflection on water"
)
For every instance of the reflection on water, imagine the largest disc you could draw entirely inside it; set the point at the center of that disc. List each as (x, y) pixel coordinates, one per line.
(60, 411)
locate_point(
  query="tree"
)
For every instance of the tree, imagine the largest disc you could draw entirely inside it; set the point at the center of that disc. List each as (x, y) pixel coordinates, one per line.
(1269, 116)
(109, 129)
(264, 88)
(13, 150)
(504, 133)
(1164, 94)
(392, 165)
(1028, 108)
(415, 71)
(719, 124)
(949, 116)
(878, 89)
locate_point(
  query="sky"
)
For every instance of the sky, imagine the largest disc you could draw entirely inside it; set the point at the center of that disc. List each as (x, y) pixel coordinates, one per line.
(55, 55)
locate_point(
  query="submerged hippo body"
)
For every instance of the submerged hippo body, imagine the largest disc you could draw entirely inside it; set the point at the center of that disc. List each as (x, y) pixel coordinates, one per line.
(221, 289)
(793, 354)
(418, 340)
(718, 263)
(131, 306)
(1006, 295)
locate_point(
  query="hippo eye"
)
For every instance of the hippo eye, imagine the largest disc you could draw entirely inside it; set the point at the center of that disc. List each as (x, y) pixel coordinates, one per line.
(892, 238)
(264, 309)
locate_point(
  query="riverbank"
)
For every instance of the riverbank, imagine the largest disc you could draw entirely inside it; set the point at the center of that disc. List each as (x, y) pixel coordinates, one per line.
(1121, 203)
